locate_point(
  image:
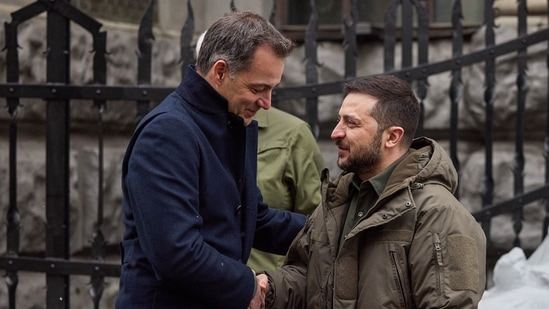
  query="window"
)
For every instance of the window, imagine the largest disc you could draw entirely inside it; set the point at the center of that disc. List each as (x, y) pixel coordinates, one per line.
(293, 16)
(114, 10)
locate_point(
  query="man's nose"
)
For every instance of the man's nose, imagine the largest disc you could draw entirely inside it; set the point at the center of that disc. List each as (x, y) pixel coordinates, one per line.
(265, 100)
(337, 133)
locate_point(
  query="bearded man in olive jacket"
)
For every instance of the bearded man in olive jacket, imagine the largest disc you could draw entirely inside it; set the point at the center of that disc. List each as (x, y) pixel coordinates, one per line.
(389, 232)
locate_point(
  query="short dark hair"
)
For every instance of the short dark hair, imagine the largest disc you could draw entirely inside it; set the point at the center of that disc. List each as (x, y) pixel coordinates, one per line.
(235, 37)
(397, 104)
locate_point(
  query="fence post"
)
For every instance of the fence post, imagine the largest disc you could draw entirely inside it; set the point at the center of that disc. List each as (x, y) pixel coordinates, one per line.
(311, 73)
(57, 158)
(487, 190)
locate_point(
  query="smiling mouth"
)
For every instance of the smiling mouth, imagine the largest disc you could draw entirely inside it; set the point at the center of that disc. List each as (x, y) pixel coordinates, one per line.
(251, 113)
(340, 146)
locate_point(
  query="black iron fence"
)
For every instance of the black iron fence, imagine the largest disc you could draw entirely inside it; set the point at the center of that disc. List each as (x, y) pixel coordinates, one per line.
(57, 92)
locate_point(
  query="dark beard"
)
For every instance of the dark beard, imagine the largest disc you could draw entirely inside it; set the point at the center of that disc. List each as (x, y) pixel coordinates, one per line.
(366, 160)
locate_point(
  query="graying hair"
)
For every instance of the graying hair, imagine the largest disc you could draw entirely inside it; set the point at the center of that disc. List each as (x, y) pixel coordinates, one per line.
(235, 37)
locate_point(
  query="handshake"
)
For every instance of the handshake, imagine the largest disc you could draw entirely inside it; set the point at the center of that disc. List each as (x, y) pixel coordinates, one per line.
(258, 301)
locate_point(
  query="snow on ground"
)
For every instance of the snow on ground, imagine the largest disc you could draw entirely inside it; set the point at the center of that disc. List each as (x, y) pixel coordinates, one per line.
(520, 282)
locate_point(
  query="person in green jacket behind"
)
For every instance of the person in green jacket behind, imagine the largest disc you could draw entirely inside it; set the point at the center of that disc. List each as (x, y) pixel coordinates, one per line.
(289, 164)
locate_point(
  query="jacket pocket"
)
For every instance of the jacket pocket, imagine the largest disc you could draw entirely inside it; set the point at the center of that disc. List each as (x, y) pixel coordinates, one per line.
(400, 276)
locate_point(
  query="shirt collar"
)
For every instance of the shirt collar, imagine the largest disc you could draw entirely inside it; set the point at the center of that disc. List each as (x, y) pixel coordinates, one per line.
(379, 181)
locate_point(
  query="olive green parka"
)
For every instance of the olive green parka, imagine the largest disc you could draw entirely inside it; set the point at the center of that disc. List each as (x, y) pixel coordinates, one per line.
(417, 247)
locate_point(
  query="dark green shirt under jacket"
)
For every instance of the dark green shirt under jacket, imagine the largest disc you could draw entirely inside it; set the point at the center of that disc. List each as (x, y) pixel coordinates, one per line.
(365, 193)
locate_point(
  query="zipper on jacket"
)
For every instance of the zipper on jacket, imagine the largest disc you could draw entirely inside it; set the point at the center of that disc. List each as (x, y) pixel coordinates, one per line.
(440, 263)
(399, 275)
(328, 290)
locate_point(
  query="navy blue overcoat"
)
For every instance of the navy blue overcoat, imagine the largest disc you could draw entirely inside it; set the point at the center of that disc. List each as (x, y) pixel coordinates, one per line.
(192, 207)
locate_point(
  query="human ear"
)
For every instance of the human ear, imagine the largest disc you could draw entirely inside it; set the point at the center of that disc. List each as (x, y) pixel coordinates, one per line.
(394, 136)
(219, 70)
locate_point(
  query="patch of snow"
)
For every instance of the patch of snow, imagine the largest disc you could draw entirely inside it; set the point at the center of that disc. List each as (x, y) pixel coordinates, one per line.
(520, 282)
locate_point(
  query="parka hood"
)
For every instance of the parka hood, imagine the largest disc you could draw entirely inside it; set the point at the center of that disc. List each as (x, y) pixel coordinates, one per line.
(428, 162)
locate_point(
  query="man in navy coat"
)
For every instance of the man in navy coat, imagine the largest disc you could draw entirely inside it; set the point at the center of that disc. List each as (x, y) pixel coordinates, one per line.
(191, 208)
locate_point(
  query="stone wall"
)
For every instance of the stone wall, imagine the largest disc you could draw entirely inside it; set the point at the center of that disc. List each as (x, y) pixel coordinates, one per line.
(120, 119)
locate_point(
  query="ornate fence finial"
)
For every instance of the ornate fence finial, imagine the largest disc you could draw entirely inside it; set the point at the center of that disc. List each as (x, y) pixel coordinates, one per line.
(233, 7)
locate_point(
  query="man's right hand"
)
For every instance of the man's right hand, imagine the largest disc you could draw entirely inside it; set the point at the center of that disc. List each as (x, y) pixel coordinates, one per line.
(258, 302)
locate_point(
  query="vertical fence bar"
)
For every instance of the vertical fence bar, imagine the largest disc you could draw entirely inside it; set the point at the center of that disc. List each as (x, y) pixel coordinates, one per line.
(407, 33)
(546, 142)
(272, 15)
(311, 73)
(487, 190)
(57, 158)
(423, 58)
(98, 240)
(272, 20)
(98, 243)
(144, 55)
(99, 78)
(12, 75)
(186, 39)
(13, 216)
(456, 85)
(350, 20)
(522, 88)
(233, 6)
(389, 37)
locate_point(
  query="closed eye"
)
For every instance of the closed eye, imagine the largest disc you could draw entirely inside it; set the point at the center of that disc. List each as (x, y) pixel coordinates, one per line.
(258, 89)
(351, 124)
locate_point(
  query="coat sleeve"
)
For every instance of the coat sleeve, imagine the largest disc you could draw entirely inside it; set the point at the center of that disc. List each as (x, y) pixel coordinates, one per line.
(276, 229)
(447, 256)
(162, 187)
(288, 285)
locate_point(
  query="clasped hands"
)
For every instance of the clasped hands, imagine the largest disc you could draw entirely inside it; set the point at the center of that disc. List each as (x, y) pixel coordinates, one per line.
(258, 302)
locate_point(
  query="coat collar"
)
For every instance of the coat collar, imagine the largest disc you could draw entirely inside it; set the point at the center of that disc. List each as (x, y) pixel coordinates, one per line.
(200, 94)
